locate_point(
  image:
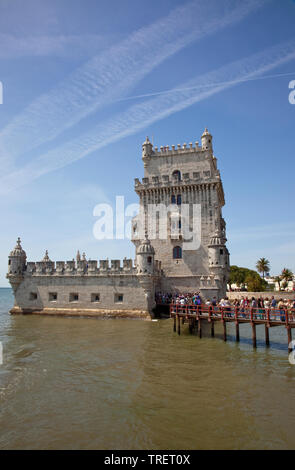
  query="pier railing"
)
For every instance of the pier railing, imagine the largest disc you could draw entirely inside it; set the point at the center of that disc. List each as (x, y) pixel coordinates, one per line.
(193, 314)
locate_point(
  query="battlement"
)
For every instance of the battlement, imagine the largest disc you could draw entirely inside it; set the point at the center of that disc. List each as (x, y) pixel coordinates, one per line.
(175, 150)
(81, 267)
(149, 151)
(84, 267)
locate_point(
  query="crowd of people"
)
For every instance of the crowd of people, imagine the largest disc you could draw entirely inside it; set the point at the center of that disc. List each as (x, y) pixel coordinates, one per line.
(179, 299)
(259, 305)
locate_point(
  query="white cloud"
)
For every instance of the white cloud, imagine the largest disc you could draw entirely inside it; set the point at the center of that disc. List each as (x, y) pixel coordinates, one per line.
(110, 75)
(139, 116)
(65, 46)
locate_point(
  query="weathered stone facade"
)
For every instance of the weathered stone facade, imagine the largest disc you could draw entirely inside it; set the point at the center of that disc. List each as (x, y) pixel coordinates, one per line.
(175, 180)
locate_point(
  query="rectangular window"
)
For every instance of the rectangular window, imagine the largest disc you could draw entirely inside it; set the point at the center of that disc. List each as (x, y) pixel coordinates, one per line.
(221, 251)
(33, 295)
(52, 296)
(95, 297)
(118, 297)
(74, 297)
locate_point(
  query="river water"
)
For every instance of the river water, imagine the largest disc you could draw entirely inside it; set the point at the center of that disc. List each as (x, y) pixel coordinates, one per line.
(81, 383)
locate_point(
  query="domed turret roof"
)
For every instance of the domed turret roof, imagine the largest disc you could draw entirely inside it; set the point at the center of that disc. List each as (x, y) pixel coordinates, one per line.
(18, 251)
(147, 141)
(46, 257)
(206, 132)
(146, 247)
(217, 239)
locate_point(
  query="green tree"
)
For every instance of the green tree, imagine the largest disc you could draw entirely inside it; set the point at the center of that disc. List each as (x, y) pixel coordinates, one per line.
(241, 276)
(263, 266)
(254, 283)
(286, 276)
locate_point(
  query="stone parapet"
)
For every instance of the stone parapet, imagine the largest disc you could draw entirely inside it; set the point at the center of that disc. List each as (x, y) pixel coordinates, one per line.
(166, 181)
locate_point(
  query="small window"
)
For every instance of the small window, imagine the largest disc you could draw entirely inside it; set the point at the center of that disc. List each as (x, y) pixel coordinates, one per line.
(179, 199)
(95, 298)
(177, 175)
(52, 296)
(177, 252)
(74, 297)
(9, 262)
(149, 260)
(33, 296)
(221, 251)
(118, 297)
(173, 199)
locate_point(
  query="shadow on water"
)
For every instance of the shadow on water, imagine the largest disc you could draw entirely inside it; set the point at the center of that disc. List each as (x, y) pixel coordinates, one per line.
(245, 337)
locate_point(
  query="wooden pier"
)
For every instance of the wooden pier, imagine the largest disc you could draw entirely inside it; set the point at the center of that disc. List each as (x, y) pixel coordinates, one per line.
(195, 314)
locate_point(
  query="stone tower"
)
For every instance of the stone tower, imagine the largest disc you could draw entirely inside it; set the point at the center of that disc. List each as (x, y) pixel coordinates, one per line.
(145, 266)
(181, 199)
(16, 265)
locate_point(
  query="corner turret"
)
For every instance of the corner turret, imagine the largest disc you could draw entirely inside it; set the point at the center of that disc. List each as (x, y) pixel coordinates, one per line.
(17, 260)
(145, 258)
(147, 151)
(219, 260)
(16, 265)
(207, 140)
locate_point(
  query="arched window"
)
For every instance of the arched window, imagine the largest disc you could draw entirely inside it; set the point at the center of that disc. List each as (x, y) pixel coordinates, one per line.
(177, 252)
(177, 175)
(173, 199)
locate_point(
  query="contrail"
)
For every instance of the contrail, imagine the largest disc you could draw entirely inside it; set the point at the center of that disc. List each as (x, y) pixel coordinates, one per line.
(112, 74)
(209, 85)
(141, 115)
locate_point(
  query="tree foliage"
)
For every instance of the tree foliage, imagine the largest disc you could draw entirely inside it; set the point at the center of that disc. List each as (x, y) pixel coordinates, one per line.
(263, 266)
(242, 276)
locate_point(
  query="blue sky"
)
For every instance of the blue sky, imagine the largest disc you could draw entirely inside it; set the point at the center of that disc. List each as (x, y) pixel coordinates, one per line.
(84, 82)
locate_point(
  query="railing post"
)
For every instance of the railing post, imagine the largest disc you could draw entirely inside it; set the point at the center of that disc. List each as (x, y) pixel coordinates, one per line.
(237, 325)
(287, 317)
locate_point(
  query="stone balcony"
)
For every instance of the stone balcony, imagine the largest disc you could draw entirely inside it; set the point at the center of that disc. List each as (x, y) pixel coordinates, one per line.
(195, 178)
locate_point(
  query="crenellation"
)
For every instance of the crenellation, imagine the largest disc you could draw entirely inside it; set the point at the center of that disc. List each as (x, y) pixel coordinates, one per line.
(115, 265)
(92, 267)
(70, 267)
(31, 267)
(60, 267)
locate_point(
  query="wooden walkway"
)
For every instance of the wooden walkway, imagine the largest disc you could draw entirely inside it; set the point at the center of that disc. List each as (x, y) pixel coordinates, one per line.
(193, 315)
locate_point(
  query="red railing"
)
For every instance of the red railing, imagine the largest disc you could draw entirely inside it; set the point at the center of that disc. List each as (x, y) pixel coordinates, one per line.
(235, 313)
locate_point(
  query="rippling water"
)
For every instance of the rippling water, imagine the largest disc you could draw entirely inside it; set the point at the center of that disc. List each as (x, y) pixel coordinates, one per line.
(74, 383)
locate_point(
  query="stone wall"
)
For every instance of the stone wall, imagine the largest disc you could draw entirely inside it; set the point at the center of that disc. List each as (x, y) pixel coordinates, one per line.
(277, 295)
(88, 294)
